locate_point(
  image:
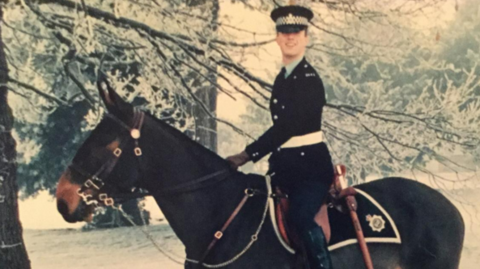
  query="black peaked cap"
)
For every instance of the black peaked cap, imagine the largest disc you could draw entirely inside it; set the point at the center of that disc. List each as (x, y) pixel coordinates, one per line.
(290, 19)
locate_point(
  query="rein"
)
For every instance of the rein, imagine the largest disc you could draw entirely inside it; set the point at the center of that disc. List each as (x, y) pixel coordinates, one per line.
(197, 184)
(217, 236)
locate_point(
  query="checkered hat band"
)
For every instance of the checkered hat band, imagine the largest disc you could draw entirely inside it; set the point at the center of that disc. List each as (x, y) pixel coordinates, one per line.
(292, 20)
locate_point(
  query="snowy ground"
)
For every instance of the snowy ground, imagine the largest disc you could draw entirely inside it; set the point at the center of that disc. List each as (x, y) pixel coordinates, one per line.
(124, 248)
(121, 248)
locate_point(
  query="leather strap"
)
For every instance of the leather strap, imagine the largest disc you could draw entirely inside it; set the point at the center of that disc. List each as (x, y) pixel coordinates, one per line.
(219, 234)
(352, 207)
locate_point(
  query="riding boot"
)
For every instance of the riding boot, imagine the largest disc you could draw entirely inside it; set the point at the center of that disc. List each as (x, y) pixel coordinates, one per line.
(317, 249)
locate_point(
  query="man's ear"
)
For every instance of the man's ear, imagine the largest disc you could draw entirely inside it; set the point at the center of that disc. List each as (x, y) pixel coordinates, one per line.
(114, 103)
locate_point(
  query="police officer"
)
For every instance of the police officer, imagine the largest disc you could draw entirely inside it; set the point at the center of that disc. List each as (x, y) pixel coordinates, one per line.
(300, 163)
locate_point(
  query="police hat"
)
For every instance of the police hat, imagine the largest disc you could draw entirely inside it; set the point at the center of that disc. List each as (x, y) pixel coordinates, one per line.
(291, 19)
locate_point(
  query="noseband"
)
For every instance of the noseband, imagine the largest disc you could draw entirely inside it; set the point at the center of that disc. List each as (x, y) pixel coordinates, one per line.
(95, 181)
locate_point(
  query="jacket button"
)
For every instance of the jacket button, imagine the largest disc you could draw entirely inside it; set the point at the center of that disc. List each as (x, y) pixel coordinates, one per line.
(294, 77)
(278, 149)
(275, 101)
(275, 117)
(306, 66)
(303, 153)
(283, 107)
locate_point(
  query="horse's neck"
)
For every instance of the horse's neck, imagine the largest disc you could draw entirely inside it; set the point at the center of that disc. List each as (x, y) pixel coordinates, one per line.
(173, 158)
(195, 215)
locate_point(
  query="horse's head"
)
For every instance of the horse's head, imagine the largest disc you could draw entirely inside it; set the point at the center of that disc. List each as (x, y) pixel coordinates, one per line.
(125, 144)
(106, 164)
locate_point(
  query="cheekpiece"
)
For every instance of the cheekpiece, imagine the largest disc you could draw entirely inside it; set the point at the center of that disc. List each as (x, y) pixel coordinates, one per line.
(290, 19)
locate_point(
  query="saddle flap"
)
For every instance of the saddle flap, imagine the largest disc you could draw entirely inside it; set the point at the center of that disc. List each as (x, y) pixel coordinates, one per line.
(289, 235)
(281, 209)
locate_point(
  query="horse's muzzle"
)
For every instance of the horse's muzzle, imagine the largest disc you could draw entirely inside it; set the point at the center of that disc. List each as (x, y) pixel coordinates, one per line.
(77, 215)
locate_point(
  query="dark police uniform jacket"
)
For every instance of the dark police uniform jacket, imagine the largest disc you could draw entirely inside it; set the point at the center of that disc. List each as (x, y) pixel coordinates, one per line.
(296, 107)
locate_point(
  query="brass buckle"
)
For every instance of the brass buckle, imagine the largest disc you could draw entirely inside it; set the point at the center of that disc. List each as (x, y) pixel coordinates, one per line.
(138, 151)
(86, 197)
(117, 152)
(109, 202)
(218, 235)
(105, 199)
(89, 183)
(250, 192)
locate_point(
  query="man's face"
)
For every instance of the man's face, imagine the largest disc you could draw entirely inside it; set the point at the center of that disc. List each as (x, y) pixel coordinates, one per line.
(292, 45)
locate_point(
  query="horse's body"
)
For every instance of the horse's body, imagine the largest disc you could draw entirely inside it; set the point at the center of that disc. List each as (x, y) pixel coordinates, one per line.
(172, 167)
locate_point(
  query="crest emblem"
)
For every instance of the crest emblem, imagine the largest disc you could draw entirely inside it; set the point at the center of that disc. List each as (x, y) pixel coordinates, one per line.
(376, 222)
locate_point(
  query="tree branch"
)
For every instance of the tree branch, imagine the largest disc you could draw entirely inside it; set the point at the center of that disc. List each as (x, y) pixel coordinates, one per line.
(39, 92)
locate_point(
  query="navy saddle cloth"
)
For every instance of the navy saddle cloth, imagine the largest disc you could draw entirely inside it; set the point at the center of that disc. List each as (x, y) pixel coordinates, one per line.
(377, 225)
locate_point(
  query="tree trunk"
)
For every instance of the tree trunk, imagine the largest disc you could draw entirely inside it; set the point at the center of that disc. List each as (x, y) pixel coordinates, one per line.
(206, 126)
(13, 254)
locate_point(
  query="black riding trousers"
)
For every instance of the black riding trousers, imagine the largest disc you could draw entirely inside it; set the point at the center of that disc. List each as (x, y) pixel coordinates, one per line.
(305, 174)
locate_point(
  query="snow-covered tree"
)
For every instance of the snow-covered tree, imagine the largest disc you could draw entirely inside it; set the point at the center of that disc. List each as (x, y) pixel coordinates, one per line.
(411, 104)
(399, 96)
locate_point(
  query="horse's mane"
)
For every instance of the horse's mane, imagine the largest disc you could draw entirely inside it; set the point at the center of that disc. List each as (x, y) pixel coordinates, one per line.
(184, 139)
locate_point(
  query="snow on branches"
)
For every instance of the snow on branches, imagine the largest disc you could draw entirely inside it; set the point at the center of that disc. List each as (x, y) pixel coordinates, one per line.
(400, 95)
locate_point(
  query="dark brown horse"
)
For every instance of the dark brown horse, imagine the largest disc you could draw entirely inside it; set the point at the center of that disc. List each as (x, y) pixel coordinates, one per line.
(197, 192)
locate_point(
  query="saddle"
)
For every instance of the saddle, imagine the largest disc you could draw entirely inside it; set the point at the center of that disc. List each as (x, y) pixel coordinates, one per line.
(335, 199)
(342, 198)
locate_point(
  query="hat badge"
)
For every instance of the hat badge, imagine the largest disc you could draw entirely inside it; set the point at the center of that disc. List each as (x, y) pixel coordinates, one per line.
(290, 19)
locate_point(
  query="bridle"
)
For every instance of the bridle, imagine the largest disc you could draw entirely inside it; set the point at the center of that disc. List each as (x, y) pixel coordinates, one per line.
(95, 183)
(98, 186)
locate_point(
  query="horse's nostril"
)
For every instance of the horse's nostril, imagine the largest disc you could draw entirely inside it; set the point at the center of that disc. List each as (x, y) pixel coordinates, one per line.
(62, 207)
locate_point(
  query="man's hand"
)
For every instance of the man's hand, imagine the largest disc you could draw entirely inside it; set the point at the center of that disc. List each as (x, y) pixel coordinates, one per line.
(238, 160)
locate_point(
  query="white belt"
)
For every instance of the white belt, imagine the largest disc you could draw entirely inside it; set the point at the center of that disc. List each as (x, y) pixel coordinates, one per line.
(304, 140)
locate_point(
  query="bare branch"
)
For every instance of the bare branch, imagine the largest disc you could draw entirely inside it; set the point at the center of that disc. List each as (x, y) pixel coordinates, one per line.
(39, 92)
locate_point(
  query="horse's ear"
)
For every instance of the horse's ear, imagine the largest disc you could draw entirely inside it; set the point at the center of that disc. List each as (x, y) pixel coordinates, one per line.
(114, 103)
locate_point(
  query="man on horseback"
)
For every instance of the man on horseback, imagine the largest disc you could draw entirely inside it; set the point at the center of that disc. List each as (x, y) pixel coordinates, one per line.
(300, 163)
